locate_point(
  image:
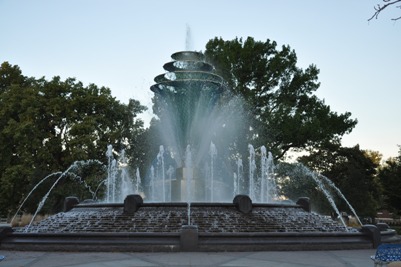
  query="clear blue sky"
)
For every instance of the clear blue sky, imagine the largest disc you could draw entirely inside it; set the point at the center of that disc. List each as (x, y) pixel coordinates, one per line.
(124, 44)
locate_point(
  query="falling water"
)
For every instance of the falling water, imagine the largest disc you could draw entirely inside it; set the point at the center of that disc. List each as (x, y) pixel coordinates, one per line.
(160, 161)
(113, 172)
(170, 172)
(325, 192)
(42, 202)
(188, 39)
(152, 182)
(109, 154)
(74, 167)
(263, 175)
(330, 183)
(213, 154)
(138, 181)
(240, 176)
(235, 178)
(126, 186)
(188, 165)
(271, 185)
(36, 186)
(252, 167)
(119, 183)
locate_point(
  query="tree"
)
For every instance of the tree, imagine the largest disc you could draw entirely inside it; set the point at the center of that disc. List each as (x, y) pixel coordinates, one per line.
(380, 7)
(284, 112)
(390, 177)
(374, 156)
(10, 75)
(46, 126)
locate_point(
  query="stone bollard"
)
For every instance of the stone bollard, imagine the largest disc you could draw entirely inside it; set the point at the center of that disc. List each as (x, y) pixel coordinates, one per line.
(132, 203)
(69, 203)
(373, 233)
(304, 202)
(189, 238)
(5, 231)
(243, 203)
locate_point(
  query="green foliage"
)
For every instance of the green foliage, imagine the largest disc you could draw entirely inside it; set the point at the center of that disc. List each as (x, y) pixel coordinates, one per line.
(285, 113)
(390, 177)
(10, 75)
(47, 125)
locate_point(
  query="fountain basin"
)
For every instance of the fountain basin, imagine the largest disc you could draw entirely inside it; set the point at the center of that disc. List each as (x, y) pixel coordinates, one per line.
(164, 227)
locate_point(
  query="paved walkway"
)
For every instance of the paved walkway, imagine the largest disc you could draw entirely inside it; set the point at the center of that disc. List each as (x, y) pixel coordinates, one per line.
(336, 258)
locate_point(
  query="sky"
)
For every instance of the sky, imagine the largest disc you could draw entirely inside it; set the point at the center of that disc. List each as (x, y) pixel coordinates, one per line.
(123, 45)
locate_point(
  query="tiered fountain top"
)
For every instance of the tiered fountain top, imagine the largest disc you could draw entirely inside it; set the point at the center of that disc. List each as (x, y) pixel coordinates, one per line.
(187, 66)
(187, 96)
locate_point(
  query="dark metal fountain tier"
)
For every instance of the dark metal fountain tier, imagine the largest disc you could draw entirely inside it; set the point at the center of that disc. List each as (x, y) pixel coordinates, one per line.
(188, 73)
(185, 97)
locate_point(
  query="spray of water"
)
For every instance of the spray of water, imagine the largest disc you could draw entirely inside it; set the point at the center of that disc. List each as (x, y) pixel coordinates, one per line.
(235, 180)
(170, 173)
(315, 177)
(188, 39)
(33, 189)
(240, 176)
(70, 171)
(271, 184)
(213, 154)
(138, 181)
(119, 182)
(160, 163)
(252, 167)
(338, 191)
(112, 181)
(126, 181)
(188, 165)
(263, 175)
(110, 158)
(152, 182)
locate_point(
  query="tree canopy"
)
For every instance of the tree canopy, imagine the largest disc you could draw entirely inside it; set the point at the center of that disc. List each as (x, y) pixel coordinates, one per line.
(390, 177)
(285, 113)
(45, 126)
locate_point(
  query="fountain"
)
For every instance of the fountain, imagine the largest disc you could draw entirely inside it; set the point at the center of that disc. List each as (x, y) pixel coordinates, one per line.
(199, 202)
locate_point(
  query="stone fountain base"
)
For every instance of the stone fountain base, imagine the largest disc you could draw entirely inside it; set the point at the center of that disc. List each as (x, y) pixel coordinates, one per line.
(240, 226)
